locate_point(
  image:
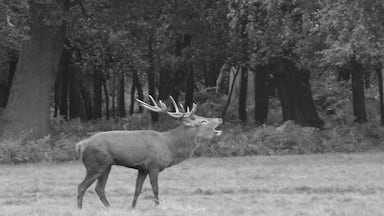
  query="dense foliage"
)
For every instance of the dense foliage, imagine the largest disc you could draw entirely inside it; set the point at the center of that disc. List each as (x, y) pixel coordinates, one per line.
(316, 63)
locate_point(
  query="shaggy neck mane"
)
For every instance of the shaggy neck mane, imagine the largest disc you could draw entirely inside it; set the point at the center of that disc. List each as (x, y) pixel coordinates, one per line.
(182, 142)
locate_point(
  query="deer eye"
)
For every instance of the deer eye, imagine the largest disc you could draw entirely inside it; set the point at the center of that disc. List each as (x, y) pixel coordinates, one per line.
(204, 121)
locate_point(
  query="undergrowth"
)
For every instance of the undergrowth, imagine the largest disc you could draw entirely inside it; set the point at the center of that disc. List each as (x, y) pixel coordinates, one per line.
(275, 138)
(237, 140)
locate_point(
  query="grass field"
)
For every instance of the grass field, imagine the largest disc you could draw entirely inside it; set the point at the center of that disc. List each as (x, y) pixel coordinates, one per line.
(339, 184)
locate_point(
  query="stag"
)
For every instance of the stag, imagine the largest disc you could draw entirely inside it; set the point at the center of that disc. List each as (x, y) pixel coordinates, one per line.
(148, 151)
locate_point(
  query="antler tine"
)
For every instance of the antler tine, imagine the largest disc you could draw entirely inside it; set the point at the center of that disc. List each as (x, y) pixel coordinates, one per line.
(182, 108)
(162, 104)
(154, 107)
(175, 105)
(193, 110)
(177, 113)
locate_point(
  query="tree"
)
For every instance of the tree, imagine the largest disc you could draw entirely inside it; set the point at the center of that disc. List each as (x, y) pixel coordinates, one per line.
(27, 111)
(354, 42)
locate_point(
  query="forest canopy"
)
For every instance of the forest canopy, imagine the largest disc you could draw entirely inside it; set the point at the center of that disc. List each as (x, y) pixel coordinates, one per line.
(318, 64)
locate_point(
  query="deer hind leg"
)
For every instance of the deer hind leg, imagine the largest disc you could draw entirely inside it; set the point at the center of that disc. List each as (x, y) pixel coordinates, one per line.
(141, 175)
(84, 185)
(100, 186)
(153, 177)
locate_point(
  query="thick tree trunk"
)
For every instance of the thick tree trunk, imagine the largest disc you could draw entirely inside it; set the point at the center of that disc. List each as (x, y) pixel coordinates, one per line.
(121, 96)
(358, 92)
(97, 94)
(64, 82)
(261, 94)
(12, 63)
(231, 91)
(76, 101)
(165, 84)
(86, 95)
(243, 93)
(27, 111)
(136, 84)
(151, 76)
(243, 68)
(210, 74)
(190, 86)
(295, 94)
(4, 95)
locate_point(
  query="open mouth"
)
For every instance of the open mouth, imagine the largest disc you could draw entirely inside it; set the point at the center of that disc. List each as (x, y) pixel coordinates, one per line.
(217, 132)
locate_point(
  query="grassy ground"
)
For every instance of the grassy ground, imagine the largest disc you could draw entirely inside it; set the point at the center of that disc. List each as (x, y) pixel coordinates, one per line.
(323, 185)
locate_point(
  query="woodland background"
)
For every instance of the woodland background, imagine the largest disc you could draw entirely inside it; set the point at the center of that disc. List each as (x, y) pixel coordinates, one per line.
(287, 76)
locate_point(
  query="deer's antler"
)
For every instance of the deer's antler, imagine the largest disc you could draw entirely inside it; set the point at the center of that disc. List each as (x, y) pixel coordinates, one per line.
(161, 107)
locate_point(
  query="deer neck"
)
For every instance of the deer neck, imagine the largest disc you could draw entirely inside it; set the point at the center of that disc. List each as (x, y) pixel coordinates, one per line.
(181, 142)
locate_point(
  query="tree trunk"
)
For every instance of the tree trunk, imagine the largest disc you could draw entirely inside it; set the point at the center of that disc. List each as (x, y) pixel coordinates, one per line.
(190, 86)
(136, 84)
(261, 94)
(113, 95)
(97, 94)
(12, 62)
(106, 96)
(379, 73)
(27, 111)
(232, 85)
(358, 92)
(86, 95)
(295, 94)
(243, 93)
(121, 96)
(57, 97)
(64, 85)
(211, 74)
(165, 85)
(151, 76)
(244, 69)
(76, 101)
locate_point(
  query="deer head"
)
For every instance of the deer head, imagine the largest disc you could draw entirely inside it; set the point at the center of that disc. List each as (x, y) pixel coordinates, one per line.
(206, 127)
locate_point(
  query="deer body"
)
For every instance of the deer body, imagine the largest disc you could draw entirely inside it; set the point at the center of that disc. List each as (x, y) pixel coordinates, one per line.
(148, 151)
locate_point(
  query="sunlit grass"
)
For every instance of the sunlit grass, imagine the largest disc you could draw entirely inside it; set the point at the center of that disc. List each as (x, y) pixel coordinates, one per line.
(337, 184)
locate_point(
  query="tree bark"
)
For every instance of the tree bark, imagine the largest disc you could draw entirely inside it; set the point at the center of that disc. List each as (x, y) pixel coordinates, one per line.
(295, 94)
(165, 85)
(379, 73)
(97, 94)
(190, 86)
(121, 96)
(57, 97)
(243, 93)
(261, 94)
(359, 110)
(86, 95)
(210, 74)
(136, 84)
(64, 85)
(12, 63)
(76, 101)
(27, 111)
(151, 76)
(106, 96)
(230, 91)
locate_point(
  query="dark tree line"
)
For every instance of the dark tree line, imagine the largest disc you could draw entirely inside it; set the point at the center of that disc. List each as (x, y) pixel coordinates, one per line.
(93, 55)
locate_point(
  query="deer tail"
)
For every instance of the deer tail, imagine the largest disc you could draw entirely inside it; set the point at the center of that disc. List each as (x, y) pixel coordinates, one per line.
(79, 148)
